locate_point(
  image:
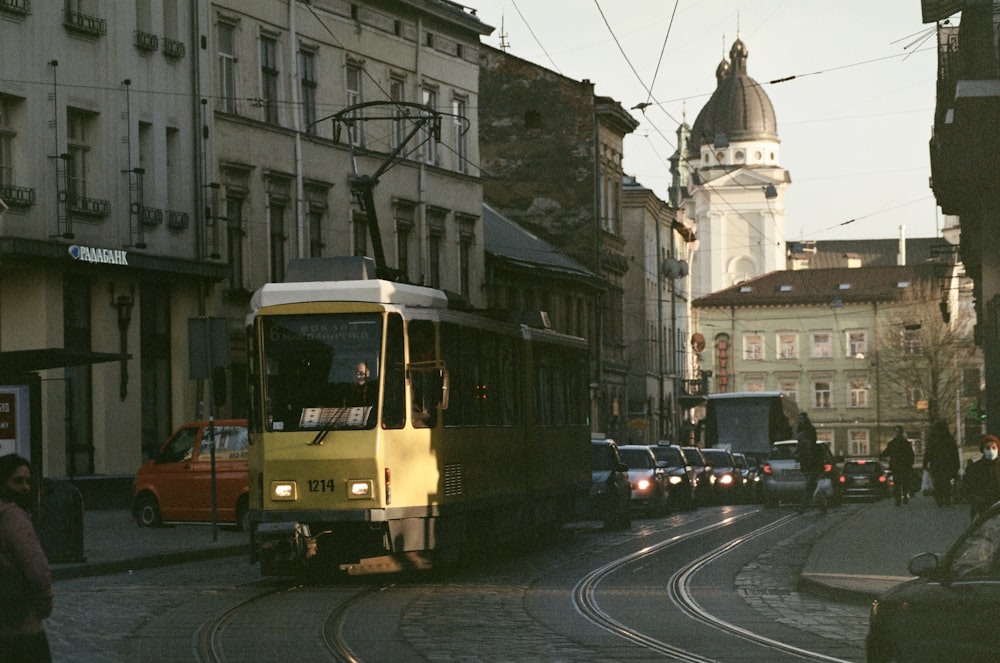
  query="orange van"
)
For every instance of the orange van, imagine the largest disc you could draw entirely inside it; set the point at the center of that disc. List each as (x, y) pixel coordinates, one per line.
(176, 484)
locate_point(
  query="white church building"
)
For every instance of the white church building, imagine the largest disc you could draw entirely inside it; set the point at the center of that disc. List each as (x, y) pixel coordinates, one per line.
(729, 181)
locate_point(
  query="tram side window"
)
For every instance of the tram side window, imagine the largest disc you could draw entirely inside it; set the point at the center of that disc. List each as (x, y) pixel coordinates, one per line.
(510, 383)
(543, 390)
(425, 374)
(394, 398)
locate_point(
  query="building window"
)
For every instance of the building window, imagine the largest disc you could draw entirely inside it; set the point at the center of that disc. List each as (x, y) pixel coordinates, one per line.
(857, 343)
(77, 151)
(460, 124)
(822, 395)
(355, 134)
(912, 344)
(227, 67)
(360, 222)
(858, 443)
(7, 135)
(276, 226)
(753, 347)
(789, 389)
(914, 394)
(858, 389)
(308, 83)
(315, 233)
(429, 150)
(397, 93)
(403, 216)
(788, 346)
(466, 242)
(269, 78)
(821, 345)
(234, 239)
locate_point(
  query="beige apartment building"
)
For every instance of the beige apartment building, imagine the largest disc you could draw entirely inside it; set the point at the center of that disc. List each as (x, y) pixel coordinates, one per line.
(861, 349)
(160, 160)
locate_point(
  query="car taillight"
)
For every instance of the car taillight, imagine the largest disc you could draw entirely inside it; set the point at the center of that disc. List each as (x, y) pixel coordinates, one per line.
(843, 479)
(827, 467)
(767, 469)
(881, 478)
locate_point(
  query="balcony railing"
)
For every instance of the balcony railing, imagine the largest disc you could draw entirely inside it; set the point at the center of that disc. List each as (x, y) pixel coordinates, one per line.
(151, 216)
(17, 196)
(173, 48)
(78, 22)
(145, 41)
(85, 206)
(19, 7)
(177, 220)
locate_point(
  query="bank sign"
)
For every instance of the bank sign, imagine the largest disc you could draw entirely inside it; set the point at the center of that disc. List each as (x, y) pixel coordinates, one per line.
(99, 256)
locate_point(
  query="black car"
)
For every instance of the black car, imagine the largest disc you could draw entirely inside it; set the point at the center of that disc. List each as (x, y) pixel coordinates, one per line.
(704, 489)
(680, 475)
(728, 478)
(948, 613)
(863, 478)
(610, 489)
(750, 470)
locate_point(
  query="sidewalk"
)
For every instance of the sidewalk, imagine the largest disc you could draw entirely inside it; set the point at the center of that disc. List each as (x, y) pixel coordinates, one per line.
(113, 543)
(870, 551)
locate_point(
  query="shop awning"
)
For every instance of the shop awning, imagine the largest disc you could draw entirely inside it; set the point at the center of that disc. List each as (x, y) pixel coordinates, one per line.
(17, 362)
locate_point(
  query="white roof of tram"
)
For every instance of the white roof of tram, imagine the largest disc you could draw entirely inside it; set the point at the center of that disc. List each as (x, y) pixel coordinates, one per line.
(375, 291)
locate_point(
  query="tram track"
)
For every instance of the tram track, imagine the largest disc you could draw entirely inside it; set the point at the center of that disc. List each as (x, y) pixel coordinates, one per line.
(682, 596)
(209, 640)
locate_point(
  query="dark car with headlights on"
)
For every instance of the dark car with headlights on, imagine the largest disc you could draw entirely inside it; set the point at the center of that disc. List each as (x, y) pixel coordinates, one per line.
(680, 476)
(649, 483)
(949, 612)
(863, 478)
(610, 489)
(704, 490)
(728, 478)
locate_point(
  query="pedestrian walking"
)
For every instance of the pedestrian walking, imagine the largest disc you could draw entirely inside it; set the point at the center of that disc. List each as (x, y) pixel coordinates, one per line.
(899, 451)
(809, 457)
(24, 570)
(941, 459)
(982, 478)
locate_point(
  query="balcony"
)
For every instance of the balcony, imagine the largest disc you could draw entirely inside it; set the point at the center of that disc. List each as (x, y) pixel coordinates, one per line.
(151, 216)
(84, 206)
(16, 7)
(177, 220)
(966, 136)
(145, 41)
(84, 23)
(173, 49)
(17, 196)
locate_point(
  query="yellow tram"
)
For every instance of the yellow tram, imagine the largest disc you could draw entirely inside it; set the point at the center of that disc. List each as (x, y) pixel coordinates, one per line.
(384, 422)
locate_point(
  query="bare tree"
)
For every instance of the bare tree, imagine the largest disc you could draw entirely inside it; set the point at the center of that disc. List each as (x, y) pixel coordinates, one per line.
(921, 356)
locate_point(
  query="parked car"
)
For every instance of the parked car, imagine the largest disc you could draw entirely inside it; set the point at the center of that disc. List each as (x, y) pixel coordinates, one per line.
(947, 613)
(680, 476)
(783, 480)
(728, 478)
(176, 484)
(704, 489)
(610, 489)
(649, 482)
(864, 478)
(751, 475)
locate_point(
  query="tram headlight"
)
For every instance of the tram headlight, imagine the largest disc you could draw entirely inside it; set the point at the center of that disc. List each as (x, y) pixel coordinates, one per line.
(359, 489)
(674, 480)
(283, 491)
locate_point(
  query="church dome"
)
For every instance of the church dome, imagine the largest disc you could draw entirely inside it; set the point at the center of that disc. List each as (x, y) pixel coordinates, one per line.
(739, 107)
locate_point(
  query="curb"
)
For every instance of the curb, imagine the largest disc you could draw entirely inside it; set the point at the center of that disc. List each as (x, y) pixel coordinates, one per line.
(85, 570)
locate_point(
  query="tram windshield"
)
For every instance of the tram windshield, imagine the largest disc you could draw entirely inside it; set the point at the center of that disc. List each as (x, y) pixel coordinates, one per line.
(321, 371)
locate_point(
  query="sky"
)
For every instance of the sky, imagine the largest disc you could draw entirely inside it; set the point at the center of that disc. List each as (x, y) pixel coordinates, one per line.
(854, 123)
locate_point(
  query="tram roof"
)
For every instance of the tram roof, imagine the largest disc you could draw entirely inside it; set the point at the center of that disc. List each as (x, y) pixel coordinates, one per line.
(374, 291)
